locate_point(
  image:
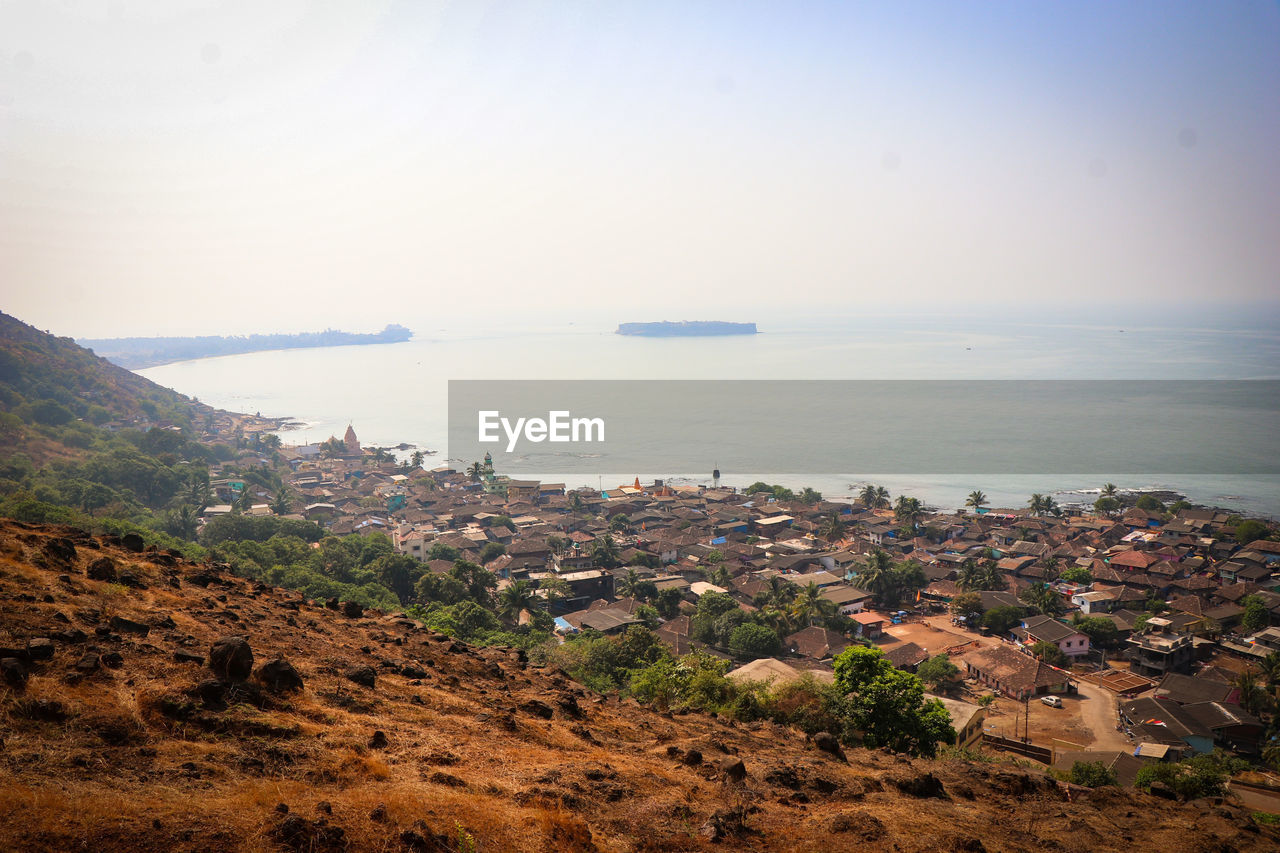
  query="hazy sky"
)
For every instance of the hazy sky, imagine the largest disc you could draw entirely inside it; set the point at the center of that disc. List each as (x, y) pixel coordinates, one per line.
(194, 167)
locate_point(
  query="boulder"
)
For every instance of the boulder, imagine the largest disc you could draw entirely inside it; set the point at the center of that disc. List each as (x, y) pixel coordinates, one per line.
(188, 657)
(379, 740)
(128, 626)
(279, 675)
(536, 708)
(827, 742)
(60, 551)
(89, 662)
(40, 648)
(231, 658)
(693, 757)
(132, 542)
(922, 785)
(102, 569)
(352, 609)
(733, 768)
(366, 676)
(14, 672)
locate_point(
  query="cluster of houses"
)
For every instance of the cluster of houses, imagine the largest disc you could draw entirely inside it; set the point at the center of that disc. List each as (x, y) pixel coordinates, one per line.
(696, 540)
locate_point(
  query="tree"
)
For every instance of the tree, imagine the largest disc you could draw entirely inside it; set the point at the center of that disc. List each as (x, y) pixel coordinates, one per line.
(1253, 698)
(475, 472)
(667, 602)
(1256, 615)
(1199, 776)
(605, 552)
(399, 574)
(832, 528)
(810, 607)
(516, 597)
(1000, 620)
(937, 671)
(555, 589)
(888, 706)
(1107, 506)
(875, 577)
(1042, 505)
(1250, 531)
(754, 641)
(478, 580)
(809, 496)
(1269, 669)
(620, 523)
(976, 499)
(1092, 774)
(908, 511)
(1049, 653)
(1100, 630)
(1150, 503)
(966, 605)
(280, 504)
(1077, 574)
(443, 551)
(625, 586)
(1044, 598)
(415, 461)
(1109, 490)
(491, 551)
(874, 497)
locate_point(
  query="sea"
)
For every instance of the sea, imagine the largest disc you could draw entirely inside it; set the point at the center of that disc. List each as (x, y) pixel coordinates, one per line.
(395, 394)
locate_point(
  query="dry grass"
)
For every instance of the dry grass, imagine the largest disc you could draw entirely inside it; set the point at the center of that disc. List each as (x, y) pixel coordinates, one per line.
(108, 763)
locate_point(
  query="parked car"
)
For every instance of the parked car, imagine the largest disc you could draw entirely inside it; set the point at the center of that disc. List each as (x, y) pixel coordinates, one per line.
(1051, 701)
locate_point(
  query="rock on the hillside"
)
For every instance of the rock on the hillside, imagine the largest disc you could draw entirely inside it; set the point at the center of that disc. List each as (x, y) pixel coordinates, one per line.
(827, 742)
(298, 833)
(102, 569)
(15, 674)
(128, 626)
(725, 823)
(40, 648)
(537, 708)
(280, 675)
(379, 740)
(60, 551)
(413, 671)
(113, 660)
(365, 676)
(188, 657)
(863, 825)
(922, 785)
(352, 609)
(89, 662)
(733, 768)
(231, 658)
(132, 542)
(693, 757)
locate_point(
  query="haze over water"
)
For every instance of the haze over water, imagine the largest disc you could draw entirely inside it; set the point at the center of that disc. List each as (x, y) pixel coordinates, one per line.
(397, 393)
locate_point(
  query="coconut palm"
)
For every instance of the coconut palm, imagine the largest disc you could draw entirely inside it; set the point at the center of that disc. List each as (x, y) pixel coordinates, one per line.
(832, 528)
(475, 472)
(908, 511)
(626, 585)
(874, 497)
(1044, 598)
(971, 575)
(516, 597)
(280, 504)
(976, 499)
(810, 607)
(1269, 669)
(1109, 490)
(1253, 698)
(877, 575)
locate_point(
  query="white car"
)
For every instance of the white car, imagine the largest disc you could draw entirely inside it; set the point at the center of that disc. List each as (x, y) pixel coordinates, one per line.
(1051, 701)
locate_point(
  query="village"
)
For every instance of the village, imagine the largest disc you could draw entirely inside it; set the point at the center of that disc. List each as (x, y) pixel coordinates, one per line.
(1133, 636)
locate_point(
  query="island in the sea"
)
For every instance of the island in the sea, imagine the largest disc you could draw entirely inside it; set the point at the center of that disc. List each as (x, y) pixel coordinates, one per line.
(686, 329)
(135, 353)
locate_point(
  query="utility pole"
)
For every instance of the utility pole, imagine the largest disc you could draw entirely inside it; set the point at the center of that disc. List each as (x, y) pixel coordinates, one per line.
(1026, 718)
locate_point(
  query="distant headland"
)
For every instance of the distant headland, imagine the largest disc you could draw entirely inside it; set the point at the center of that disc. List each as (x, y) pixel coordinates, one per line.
(686, 329)
(134, 353)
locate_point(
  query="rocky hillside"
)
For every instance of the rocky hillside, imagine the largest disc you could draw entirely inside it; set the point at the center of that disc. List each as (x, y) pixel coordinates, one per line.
(155, 705)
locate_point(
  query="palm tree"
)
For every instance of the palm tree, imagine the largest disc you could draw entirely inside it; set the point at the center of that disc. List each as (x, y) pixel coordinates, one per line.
(971, 575)
(908, 511)
(516, 597)
(280, 503)
(1252, 697)
(627, 583)
(1269, 668)
(976, 499)
(874, 497)
(555, 588)
(1042, 597)
(832, 529)
(810, 606)
(779, 619)
(877, 575)
(415, 461)
(1109, 490)
(475, 472)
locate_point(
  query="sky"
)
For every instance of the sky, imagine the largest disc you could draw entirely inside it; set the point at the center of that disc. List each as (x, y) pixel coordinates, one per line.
(225, 168)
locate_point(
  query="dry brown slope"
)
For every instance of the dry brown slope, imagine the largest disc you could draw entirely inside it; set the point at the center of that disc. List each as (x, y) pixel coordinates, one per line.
(149, 753)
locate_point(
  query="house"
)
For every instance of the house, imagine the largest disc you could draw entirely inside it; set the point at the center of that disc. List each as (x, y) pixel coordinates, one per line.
(816, 642)
(966, 718)
(1100, 601)
(847, 599)
(868, 625)
(1160, 650)
(1046, 629)
(906, 656)
(1165, 721)
(1015, 674)
(1123, 764)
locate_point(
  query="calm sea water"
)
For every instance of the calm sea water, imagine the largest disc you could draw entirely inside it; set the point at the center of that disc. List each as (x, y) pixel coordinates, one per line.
(397, 393)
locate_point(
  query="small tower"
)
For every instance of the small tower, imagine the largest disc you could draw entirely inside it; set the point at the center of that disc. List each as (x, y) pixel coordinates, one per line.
(715, 478)
(352, 443)
(488, 466)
